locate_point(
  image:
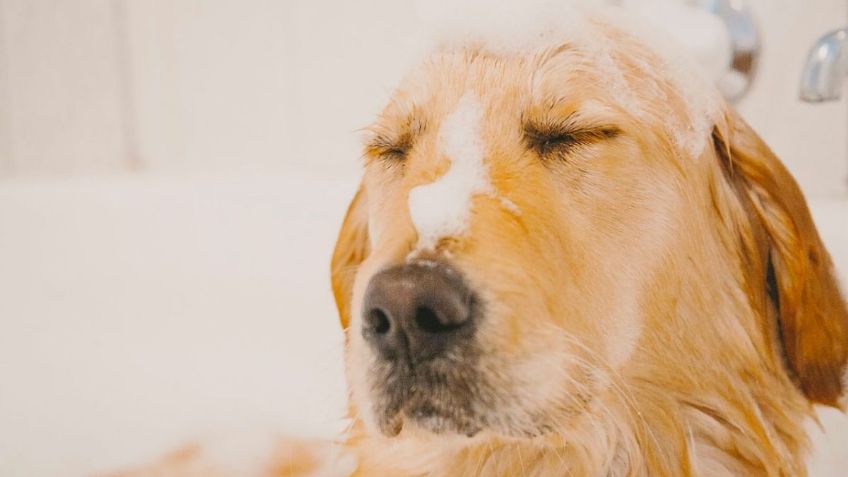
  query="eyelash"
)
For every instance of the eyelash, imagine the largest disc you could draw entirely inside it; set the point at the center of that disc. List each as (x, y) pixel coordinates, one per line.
(394, 154)
(388, 152)
(546, 141)
(392, 149)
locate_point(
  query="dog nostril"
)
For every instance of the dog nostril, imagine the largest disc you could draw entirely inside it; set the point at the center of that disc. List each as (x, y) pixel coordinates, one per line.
(428, 321)
(378, 321)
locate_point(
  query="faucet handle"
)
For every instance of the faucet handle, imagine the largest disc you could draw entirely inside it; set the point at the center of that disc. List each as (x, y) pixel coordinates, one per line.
(825, 68)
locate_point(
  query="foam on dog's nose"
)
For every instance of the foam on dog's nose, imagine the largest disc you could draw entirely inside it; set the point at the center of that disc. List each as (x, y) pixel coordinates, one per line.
(442, 208)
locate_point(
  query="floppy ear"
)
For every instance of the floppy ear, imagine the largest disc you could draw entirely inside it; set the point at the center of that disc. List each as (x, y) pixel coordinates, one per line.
(352, 247)
(796, 269)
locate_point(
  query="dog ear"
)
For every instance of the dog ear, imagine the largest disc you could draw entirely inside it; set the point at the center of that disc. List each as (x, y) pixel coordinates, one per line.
(795, 268)
(352, 247)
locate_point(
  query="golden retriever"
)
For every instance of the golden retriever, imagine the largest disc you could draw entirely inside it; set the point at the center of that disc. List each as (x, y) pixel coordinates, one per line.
(564, 261)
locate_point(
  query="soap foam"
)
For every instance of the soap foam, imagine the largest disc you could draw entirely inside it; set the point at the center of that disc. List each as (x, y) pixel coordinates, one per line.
(515, 26)
(441, 208)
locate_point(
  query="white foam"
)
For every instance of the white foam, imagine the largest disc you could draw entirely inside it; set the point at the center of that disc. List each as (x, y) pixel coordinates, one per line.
(703, 101)
(700, 32)
(509, 25)
(512, 26)
(441, 208)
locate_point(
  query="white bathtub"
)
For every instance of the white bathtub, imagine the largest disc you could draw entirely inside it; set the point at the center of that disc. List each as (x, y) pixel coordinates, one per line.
(138, 312)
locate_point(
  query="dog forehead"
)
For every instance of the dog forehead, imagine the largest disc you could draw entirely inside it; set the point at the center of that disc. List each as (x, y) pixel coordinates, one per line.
(508, 89)
(434, 87)
(607, 56)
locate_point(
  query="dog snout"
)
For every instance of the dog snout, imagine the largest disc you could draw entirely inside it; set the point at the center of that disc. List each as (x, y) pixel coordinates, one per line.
(417, 311)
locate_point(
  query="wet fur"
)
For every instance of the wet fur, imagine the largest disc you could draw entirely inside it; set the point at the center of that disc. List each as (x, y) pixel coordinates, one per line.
(707, 271)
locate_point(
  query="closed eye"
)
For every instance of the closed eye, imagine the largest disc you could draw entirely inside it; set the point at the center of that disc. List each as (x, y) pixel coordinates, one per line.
(547, 138)
(392, 141)
(388, 149)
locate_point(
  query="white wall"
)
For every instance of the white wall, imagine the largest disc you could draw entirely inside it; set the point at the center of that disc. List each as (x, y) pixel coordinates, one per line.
(210, 86)
(212, 83)
(61, 88)
(811, 138)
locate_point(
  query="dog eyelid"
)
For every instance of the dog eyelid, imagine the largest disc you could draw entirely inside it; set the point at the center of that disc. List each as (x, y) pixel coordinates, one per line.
(557, 138)
(382, 147)
(394, 143)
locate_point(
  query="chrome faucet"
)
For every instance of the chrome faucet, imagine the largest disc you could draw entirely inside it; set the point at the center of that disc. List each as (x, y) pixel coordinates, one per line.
(825, 68)
(744, 41)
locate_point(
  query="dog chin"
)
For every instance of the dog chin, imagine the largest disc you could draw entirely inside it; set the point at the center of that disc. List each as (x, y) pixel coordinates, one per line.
(425, 419)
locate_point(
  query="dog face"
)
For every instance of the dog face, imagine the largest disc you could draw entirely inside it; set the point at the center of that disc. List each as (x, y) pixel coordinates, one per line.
(551, 288)
(528, 239)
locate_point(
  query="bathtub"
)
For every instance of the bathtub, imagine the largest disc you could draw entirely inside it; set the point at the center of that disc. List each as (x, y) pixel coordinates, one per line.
(139, 313)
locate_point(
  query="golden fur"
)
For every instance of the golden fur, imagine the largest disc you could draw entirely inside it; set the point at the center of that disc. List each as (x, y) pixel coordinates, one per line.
(660, 314)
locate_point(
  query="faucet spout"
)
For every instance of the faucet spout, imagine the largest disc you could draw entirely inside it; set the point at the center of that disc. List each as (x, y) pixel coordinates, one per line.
(825, 68)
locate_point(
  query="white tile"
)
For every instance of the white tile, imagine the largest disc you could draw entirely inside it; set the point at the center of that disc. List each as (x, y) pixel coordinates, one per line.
(212, 83)
(63, 88)
(6, 164)
(350, 56)
(223, 85)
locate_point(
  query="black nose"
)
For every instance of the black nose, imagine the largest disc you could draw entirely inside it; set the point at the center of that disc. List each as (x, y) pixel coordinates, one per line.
(417, 311)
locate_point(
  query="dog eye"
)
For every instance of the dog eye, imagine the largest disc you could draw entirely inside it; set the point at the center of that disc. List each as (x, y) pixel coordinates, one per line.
(391, 149)
(388, 150)
(544, 144)
(555, 140)
(395, 154)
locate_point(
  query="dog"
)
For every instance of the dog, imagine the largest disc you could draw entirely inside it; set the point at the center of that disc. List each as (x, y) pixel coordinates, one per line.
(561, 263)
(573, 258)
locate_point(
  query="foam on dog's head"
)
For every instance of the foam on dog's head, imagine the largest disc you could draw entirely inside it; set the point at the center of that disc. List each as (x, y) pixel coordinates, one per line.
(518, 26)
(506, 25)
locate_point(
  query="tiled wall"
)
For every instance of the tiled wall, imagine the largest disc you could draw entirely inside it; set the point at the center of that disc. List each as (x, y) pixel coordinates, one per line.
(60, 101)
(204, 86)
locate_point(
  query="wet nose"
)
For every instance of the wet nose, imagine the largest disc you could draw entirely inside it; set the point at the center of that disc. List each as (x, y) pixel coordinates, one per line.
(417, 311)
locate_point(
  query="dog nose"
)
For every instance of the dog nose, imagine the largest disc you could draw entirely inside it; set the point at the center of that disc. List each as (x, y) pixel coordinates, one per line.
(417, 311)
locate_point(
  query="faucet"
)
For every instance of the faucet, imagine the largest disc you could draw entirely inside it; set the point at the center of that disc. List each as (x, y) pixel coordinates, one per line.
(745, 44)
(825, 68)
